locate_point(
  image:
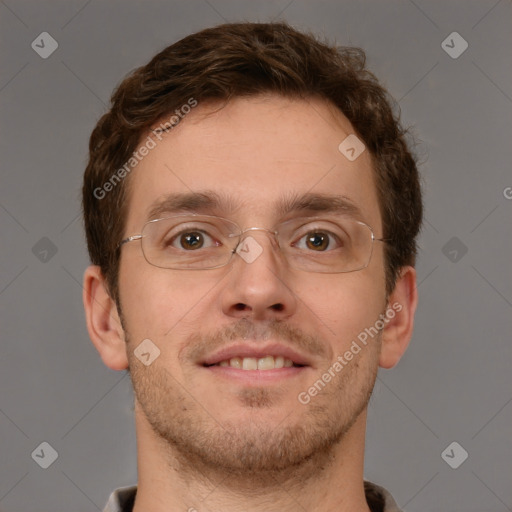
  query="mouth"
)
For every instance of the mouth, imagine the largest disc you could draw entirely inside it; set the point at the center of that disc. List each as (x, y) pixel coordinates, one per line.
(250, 364)
(265, 363)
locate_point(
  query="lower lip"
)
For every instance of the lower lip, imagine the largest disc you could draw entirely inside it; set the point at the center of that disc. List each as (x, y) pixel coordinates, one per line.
(256, 376)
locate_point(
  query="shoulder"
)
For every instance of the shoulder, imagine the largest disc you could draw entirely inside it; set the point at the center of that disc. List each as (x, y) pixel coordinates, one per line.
(379, 499)
(121, 500)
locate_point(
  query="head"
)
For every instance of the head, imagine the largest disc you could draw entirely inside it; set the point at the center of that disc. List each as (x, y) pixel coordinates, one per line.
(251, 114)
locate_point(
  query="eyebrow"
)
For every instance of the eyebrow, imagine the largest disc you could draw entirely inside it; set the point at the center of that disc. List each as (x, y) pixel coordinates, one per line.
(318, 203)
(207, 202)
(213, 203)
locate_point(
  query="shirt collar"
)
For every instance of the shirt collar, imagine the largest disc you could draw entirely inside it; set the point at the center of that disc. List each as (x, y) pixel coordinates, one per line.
(378, 498)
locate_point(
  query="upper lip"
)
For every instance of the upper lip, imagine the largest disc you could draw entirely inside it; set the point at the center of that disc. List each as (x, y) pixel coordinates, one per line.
(245, 350)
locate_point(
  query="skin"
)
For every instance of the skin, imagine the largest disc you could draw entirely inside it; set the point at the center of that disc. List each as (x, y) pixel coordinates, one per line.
(210, 443)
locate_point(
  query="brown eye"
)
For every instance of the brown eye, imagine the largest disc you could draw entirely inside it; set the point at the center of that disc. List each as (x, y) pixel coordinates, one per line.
(317, 241)
(192, 240)
(190, 237)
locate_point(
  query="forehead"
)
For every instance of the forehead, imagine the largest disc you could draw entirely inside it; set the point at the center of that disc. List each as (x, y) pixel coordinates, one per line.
(253, 159)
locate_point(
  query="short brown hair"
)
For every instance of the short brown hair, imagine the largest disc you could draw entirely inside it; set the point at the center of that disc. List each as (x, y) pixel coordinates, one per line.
(245, 59)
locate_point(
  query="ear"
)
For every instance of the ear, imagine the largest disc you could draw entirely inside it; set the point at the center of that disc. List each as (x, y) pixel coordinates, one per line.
(103, 322)
(400, 310)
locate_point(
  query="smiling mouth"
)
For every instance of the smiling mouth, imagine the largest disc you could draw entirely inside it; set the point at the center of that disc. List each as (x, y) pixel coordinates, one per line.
(256, 363)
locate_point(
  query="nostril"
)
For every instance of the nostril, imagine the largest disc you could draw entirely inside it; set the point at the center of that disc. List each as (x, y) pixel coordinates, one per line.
(278, 307)
(240, 306)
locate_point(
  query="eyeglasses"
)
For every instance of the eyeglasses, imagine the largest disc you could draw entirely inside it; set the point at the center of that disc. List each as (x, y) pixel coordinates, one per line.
(333, 244)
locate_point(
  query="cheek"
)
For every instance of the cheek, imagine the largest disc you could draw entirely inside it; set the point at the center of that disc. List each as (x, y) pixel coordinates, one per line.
(156, 301)
(343, 305)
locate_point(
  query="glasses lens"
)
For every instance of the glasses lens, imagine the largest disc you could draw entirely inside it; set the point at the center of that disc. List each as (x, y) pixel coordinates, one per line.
(329, 245)
(325, 245)
(189, 242)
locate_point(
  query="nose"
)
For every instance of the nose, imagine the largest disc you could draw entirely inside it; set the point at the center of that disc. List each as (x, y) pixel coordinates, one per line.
(258, 286)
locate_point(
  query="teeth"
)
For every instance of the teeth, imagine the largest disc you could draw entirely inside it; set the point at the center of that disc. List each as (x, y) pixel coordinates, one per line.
(266, 363)
(249, 363)
(235, 362)
(262, 363)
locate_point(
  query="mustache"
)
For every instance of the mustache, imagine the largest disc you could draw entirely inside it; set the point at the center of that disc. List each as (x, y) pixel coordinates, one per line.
(199, 345)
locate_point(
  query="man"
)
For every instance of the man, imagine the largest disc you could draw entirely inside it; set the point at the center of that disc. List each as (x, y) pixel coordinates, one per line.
(251, 209)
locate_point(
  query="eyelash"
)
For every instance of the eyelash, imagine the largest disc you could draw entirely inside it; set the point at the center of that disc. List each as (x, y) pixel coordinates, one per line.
(176, 237)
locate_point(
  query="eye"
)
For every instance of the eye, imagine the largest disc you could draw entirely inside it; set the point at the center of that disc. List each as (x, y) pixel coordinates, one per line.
(318, 241)
(191, 240)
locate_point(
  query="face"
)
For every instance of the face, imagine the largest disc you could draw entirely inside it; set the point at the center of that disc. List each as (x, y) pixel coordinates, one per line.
(254, 152)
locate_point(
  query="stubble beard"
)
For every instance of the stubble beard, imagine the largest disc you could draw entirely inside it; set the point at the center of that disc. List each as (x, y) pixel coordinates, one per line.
(253, 452)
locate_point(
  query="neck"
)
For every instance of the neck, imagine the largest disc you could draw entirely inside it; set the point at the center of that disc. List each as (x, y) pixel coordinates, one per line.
(171, 481)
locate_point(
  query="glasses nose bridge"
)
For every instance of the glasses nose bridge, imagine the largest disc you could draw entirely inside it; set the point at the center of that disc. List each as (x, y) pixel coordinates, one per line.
(271, 231)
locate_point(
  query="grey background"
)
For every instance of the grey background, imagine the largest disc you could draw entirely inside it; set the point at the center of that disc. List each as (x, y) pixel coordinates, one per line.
(452, 384)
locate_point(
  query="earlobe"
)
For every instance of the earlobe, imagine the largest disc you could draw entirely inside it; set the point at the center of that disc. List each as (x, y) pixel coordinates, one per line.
(400, 314)
(103, 321)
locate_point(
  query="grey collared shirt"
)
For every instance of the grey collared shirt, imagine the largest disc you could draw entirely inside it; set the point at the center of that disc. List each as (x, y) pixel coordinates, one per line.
(378, 498)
